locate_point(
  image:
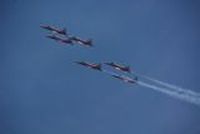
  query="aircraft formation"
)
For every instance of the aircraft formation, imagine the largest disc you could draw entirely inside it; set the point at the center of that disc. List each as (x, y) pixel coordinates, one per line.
(61, 35)
(122, 68)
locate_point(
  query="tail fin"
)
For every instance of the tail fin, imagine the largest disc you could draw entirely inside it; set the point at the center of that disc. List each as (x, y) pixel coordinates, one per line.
(89, 42)
(129, 69)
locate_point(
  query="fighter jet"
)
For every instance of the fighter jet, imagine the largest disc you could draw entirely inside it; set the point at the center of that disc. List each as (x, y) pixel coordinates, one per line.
(54, 29)
(125, 78)
(87, 43)
(119, 67)
(90, 65)
(59, 39)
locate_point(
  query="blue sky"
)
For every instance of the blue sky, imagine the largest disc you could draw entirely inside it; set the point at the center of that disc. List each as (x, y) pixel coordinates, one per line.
(42, 91)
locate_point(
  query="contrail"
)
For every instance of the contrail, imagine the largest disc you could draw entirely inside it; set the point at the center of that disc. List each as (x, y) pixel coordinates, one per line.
(176, 88)
(179, 94)
(182, 96)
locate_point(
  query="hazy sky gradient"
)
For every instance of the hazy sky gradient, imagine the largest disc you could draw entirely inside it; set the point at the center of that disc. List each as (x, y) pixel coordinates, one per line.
(43, 92)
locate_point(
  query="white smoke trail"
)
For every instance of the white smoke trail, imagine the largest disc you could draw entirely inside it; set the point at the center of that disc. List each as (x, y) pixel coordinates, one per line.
(178, 89)
(182, 96)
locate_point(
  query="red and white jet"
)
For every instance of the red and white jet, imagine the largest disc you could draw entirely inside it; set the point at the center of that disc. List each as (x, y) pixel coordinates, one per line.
(125, 78)
(90, 65)
(54, 29)
(119, 67)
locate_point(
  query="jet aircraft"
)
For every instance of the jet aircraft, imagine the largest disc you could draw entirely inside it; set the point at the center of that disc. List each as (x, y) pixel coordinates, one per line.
(90, 65)
(87, 43)
(119, 67)
(54, 29)
(125, 78)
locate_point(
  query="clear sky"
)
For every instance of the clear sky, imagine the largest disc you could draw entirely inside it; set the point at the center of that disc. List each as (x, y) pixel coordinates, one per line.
(43, 92)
